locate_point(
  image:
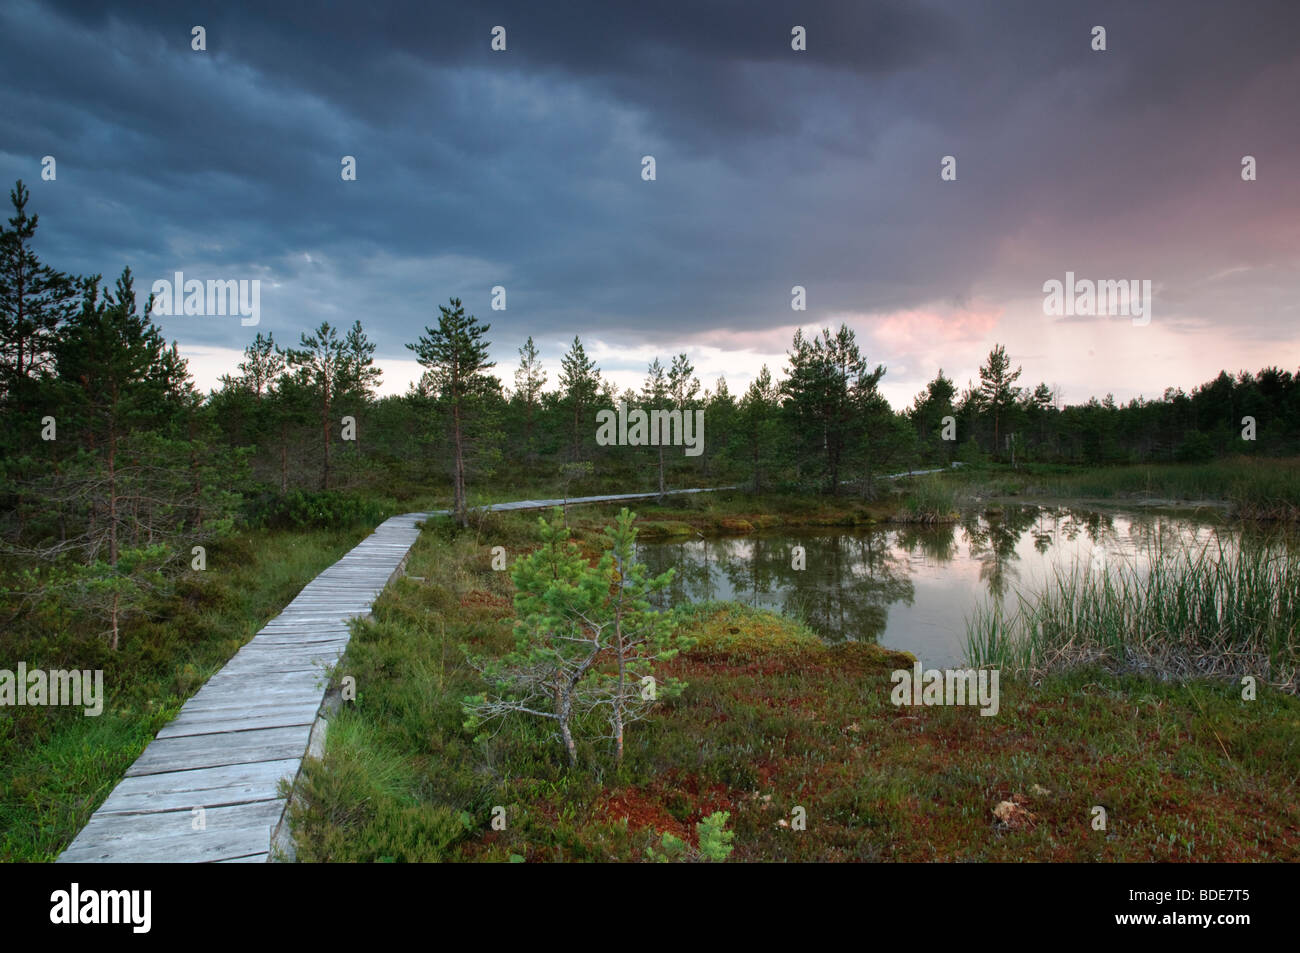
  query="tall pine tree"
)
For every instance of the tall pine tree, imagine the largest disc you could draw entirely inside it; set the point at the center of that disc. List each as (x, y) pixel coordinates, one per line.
(455, 355)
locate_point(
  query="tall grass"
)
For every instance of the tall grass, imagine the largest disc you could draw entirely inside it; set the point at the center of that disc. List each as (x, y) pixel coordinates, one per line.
(56, 765)
(1218, 610)
(932, 500)
(1254, 488)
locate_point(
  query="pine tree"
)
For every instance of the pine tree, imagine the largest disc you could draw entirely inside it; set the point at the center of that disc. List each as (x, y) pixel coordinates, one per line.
(997, 390)
(930, 407)
(144, 484)
(586, 637)
(580, 383)
(262, 365)
(655, 395)
(759, 424)
(829, 382)
(319, 365)
(358, 376)
(721, 410)
(530, 378)
(455, 356)
(35, 301)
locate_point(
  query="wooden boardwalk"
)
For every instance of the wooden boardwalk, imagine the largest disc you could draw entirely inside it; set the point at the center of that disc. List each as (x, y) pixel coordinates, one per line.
(250, 725)
(244, 730)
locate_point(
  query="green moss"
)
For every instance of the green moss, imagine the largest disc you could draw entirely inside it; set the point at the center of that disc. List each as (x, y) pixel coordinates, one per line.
(664, 529)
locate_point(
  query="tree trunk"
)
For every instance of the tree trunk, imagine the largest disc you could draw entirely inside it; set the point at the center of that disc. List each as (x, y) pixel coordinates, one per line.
(577, 440)
(198, 479)
(325, 435)
(563, 712)
(459, 477)
(284, 458)
(112, 502)
(618, 710)
(113, 644)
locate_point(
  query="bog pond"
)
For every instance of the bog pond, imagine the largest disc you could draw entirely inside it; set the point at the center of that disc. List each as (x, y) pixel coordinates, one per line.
(912, 587)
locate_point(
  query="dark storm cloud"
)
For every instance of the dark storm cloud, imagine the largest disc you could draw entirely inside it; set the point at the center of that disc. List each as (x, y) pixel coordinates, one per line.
(775, 168)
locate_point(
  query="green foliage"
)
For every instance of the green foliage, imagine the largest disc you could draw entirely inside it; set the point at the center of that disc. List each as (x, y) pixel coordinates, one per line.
(1195, 448)
(715, 842)
(830, 395)
(930, 500)
(672, 849)
(322, 509)
(585, 639)
(35, 300)
(1226, 611)
(455, 358)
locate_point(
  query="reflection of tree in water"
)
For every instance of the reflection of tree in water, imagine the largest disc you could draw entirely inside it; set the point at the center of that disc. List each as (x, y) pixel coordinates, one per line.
(1044, 529)
(938, 543)
(694, 577)
(1099, 526)
(992, 541)
(1161, 532)
(758, 568)
(844, 593)
(851, 581)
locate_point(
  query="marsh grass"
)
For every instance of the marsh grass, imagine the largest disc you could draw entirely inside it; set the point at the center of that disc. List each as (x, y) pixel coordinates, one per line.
(929, 501)
(1255, 488)
(1194, 610)
(772, 719)
(56, 764)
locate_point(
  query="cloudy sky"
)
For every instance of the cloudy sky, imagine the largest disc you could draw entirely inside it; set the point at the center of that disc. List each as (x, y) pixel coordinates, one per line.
(774, 168)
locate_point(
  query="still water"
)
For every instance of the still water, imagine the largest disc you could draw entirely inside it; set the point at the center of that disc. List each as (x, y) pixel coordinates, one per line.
(912, 587)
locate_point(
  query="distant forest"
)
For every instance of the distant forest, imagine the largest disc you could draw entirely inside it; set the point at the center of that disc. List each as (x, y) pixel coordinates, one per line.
(112, 458)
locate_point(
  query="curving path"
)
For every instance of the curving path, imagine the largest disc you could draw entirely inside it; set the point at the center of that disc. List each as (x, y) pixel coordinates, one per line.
(207, 787)
(250, 725)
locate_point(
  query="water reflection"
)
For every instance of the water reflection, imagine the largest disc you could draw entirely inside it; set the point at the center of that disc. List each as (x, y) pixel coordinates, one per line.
(911, 587)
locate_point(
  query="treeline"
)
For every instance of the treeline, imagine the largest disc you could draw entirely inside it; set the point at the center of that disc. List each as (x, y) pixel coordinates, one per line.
(115, 468)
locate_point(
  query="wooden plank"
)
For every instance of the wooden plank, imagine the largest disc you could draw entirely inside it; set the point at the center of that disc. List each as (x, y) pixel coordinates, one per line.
(244, 698)
(201, 787)
(211, 723)
(209, 751)
(245, 729)
(237, 831)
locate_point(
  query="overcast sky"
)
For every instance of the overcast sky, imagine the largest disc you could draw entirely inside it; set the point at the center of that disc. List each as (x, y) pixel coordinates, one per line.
(774, 168)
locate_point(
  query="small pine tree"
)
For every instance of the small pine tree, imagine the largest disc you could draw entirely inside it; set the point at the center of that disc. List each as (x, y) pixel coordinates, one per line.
(586, 638)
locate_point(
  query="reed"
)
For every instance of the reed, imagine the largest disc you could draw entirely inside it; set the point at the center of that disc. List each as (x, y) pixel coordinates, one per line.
(929, 500)
(1217, 609)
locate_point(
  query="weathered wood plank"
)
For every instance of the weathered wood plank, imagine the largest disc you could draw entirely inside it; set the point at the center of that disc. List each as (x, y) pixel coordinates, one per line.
(211, 723)
(201, 787)
(209, 751)
(243, 698)
(236, 831)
